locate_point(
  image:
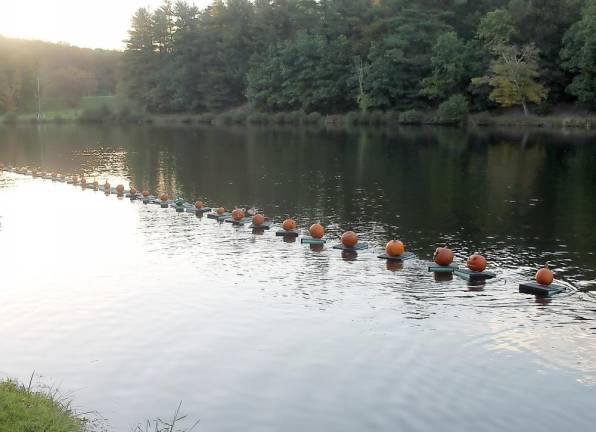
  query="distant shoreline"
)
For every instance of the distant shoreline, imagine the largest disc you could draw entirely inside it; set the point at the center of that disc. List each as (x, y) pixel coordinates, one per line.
(352, 119)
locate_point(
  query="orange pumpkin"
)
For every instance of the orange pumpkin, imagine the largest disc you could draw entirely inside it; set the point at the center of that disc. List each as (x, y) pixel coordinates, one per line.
(544, 276)
(258, 219)
(237, 215)
(476, 262)
(289, 225)
(220, 211)
(133, 191)
(349, 239)
(163, 197)
(83, 181)
(146, 193)
(443, 256)
(120, 189)
(199, 205)
(316, 231)
(395, 248)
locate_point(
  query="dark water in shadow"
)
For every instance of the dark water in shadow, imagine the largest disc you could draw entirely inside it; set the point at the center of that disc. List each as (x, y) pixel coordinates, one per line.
(140, 308)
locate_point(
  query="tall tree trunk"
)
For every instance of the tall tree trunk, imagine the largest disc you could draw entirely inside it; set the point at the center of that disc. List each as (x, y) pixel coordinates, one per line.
(525, 107)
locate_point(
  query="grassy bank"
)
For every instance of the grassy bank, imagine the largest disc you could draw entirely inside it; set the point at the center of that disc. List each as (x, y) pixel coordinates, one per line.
(23, 410)
(106, 110)
(379, 119)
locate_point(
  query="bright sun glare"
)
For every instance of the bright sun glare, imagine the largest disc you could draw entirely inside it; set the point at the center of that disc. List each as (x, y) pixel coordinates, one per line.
(83, 23)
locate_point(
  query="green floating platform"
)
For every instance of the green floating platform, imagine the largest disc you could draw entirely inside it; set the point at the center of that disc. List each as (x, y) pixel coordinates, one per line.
(263, 226)
(310, 240)
(473, 276)
(359, 246)
(202, 210)
(219, 217)
(241, 222)
(285, 233)
(403, 257)
(540, 290)
(442, 269)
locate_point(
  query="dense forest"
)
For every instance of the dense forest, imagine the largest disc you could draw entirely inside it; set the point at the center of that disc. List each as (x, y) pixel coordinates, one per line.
(324, 56)
(65, 74)
(333, 56)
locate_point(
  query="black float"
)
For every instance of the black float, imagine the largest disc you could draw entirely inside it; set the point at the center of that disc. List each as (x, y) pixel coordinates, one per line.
(312, 240)
(284, 233)
(264, 226)
(537, 289)
(442, 269)
(219, 218)
(474, 276)
(359, 246)
(400, 258)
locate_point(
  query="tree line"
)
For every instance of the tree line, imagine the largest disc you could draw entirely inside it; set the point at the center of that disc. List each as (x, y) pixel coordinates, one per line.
(333, 56)
(65, 74)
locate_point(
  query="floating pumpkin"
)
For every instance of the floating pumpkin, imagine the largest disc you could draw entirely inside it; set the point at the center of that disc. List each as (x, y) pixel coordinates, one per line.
(106, 186)
(476, 262)
(133, 191)
(544, 276)
(146, 193)
(443, 256)
(238, 214)
(349, 239)
(75, 180)
(95, 184)
(395, 248)
(163, 197)
(83, 181)
(199, 205)
(316, 231)
(220, 210)
(120, 189)
(258, 219)
(289, 224)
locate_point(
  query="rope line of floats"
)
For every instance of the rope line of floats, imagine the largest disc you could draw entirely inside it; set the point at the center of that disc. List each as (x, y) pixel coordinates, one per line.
(395, 250)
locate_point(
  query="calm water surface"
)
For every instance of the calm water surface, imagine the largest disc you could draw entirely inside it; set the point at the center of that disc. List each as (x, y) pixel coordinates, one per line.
(131, 308)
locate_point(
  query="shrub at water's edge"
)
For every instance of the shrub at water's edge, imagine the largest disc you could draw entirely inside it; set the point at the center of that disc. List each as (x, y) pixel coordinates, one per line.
(22, 409)
(453, 111)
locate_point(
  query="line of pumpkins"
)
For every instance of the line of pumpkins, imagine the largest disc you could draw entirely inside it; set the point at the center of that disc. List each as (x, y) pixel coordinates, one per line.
(443, 256)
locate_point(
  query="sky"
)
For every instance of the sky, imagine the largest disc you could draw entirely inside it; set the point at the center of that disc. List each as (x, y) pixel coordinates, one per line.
(86, 23)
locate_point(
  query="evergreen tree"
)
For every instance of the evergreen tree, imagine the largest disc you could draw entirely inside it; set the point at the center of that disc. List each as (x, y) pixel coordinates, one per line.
(579, 56)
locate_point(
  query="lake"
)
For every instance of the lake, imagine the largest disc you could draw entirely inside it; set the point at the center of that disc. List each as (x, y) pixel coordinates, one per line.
(129, 309)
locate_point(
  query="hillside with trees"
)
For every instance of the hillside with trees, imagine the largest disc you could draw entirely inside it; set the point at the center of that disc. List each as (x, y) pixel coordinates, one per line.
(65, 74)
(333, 56)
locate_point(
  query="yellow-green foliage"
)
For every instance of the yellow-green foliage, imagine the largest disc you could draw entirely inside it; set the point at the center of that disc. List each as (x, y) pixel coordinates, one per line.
(22, 410)
(513, 77)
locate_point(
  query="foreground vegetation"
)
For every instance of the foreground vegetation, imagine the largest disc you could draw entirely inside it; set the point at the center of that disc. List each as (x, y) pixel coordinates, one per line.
(22, 410)
(25, 410)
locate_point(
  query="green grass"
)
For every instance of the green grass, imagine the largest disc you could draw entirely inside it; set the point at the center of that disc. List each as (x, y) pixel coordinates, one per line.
(95, 102)
(23, 410)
